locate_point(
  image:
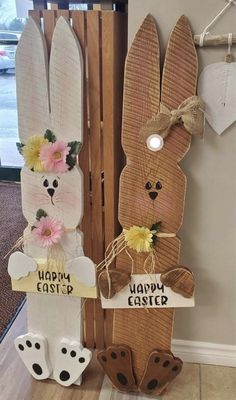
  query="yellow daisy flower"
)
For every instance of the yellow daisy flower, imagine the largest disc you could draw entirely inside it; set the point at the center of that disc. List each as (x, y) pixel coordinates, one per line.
(31, 152)
(139, 238)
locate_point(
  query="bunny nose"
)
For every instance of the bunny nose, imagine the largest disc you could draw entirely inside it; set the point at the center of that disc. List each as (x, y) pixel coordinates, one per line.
(51, 192)
(153, 195)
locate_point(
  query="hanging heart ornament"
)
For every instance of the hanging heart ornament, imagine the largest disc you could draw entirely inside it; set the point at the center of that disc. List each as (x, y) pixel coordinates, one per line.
(217, 88)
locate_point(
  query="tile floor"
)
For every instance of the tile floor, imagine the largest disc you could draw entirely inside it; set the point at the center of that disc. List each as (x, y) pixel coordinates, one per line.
(196, 382)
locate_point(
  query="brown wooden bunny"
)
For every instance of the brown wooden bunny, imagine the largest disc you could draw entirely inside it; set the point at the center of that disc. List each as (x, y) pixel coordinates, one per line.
(152, 189)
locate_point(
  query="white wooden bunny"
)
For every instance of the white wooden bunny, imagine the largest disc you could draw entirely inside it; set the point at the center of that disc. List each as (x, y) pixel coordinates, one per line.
(53, 266)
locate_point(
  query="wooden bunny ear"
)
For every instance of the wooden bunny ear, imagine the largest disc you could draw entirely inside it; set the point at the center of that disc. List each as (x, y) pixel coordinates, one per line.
(179, 81)
(141, 83)
(66, 83)
(32, 82)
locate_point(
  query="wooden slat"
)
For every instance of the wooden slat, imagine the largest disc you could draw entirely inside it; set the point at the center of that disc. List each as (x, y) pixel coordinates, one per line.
(49, 21)
(78, 23)
(62, 13)
(36, 15)
(153, 329)
(99, 228)
(113, 53)
(95, 113)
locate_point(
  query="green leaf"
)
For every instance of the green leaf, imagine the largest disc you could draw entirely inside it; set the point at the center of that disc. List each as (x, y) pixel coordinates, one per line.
(156, 227)
(49, 135)
(40, 213)
(19, 147)
(71, 161)
(75, 147)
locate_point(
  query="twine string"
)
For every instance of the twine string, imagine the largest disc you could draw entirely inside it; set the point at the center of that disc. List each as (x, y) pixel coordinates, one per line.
(213, 21)
(117, 246)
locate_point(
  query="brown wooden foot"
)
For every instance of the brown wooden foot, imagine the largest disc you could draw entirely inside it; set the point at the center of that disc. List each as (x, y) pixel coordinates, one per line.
(117, 364)
(162, 367)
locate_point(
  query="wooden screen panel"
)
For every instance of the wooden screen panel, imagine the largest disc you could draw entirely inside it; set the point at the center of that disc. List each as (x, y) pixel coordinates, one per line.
(103, 40)
(114, 39)
(79, 26)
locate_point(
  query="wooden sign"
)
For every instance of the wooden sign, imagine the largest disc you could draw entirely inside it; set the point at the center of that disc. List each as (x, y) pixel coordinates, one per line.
(52, 282)
(52, 268)
(147, 291)
(152, 189)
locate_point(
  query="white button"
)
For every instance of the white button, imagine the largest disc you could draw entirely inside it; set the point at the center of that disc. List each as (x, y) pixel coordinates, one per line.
(155, 142)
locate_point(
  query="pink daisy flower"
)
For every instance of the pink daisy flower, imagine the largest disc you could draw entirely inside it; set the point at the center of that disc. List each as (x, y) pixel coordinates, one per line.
(48, 231)
(53, 156)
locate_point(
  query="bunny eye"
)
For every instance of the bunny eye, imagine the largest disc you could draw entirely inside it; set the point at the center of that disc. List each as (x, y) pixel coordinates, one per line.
(148, 185)
(55, 183)
(158, 185)
(45, 183)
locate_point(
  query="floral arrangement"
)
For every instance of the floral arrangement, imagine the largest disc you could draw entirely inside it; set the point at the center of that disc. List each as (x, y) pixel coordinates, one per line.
(47, 230)
(141, 239)
(47, 154)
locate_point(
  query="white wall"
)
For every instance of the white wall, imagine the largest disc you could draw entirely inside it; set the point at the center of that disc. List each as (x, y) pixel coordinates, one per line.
(209, 230)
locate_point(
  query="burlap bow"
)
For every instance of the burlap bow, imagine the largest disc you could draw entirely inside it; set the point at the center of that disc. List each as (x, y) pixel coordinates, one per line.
(190, 113)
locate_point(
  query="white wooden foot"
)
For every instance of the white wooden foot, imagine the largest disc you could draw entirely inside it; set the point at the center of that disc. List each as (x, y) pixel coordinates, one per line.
(71, 361)
(33, 352)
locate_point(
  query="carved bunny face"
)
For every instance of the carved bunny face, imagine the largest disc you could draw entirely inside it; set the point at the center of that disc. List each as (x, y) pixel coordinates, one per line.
(156, 194)
(59, 195)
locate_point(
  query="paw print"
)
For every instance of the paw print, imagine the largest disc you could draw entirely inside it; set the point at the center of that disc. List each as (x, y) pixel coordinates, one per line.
(71, 361)
(162, 367)
(33, 352)
(116, 361)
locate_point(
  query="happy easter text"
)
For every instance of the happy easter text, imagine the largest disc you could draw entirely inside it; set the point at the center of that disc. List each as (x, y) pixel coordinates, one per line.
(54, 283)
(147, 295)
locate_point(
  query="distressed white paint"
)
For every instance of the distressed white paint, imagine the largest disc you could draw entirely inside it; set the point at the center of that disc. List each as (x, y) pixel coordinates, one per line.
(147, 291)
(217, 88)
(34, 353)
(52, 319)
(83, 269)
(73, 358)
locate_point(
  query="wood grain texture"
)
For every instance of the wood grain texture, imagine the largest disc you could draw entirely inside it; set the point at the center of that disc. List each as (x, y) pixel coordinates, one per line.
(180, 280)
(110, 42)
(118, 280)
(95, 113)
(153, 328)
(114, 360)
(32, 96)
(114, 46)
(49, 21)
(79, 26)
(66, 88)
(162, 367)
(36, 15)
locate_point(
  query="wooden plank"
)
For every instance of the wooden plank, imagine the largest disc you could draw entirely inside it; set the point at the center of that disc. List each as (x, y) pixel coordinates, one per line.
(95, 113)
(113, 53)
(141, 101)
(36, 15)
(78, 23)
(63, 13)
(49, 22)
(16, 383)
(32, 61)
